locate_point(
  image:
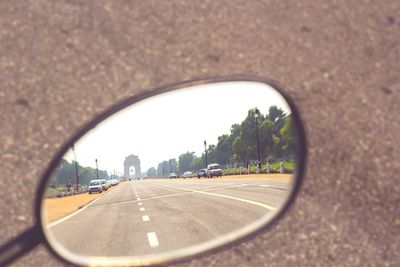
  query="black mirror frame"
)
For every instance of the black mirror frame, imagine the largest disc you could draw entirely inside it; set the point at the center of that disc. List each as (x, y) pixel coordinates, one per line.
(301, 156)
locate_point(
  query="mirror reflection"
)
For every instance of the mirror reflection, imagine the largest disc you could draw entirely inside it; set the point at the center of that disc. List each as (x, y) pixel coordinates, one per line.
(191, 168)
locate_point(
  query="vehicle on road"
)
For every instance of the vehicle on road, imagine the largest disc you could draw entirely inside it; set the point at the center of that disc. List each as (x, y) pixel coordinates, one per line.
(104, 184)
(187, 174)
(114, 182)
(173, 175)
(214, 170)
(202, 173)
(95, 186)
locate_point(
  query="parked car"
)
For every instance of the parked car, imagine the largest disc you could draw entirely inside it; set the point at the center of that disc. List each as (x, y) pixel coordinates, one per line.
(202, 173)
(95, 186)
(114, 182)
(214, 170)
(187, 174)
(173, 175)
(104, 184)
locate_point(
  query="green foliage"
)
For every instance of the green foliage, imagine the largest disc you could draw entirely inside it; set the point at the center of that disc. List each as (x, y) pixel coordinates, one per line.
(152, 172)
(274, 167)
(240, 149)
(275, 113)
(197, 164)
(276, 143)
(163, 169)
(224, 149)
(185, 160)
(173, 166)
(66, 173)
(274, 134)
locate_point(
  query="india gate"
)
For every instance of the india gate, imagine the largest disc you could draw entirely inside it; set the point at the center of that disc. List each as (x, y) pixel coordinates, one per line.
(132, 167)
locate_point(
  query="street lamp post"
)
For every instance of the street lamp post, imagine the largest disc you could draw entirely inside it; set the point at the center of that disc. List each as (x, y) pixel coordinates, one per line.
(97, 170)
(76, 169)
(256, 115)
(205, 152)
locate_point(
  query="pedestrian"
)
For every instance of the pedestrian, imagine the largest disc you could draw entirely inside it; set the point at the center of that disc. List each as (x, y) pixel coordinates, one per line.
(281, 167)
(268, 168)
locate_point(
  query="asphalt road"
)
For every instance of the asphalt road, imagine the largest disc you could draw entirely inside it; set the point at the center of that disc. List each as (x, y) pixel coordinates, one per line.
(150, 216)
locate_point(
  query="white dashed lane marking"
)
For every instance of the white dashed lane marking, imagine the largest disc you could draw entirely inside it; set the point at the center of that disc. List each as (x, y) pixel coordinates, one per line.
(152, 238)
(142, 209)
(145, 218)
(140, 203)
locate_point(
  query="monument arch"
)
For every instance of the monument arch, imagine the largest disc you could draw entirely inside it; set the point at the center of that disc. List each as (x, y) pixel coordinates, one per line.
(132, 161)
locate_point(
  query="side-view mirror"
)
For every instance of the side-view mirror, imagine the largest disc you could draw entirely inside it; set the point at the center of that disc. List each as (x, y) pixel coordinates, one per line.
(129, 189)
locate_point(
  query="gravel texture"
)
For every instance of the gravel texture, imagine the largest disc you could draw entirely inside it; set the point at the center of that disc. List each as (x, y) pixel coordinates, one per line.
(63, 62)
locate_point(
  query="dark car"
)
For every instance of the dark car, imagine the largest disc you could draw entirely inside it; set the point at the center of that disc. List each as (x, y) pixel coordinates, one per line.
(202, 173)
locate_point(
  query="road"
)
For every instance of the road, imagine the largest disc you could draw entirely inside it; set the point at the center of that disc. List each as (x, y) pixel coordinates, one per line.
(150, 216)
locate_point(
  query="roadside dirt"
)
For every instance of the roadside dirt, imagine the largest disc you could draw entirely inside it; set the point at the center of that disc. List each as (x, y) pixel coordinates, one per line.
(56, 208)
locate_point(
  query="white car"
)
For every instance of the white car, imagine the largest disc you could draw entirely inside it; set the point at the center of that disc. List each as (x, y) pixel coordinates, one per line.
(104, 184)
(114, 182)
(214, 170)
(188, 175)
(95, 186)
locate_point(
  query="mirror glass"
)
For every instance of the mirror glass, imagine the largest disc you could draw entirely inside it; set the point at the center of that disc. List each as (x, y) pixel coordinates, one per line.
(173, 175)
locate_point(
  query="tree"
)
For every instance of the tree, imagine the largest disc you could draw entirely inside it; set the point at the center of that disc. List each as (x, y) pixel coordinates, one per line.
(235, 131)
(266, 141)
(197, 163)
(240, 150)
(275, 113)
(65, 173)
(185, 161)
(287, 142)
(103, 175)
(249, 133)
(224, 149)
(172, 165)
(163, 169)
(212, 154)
(152, 172)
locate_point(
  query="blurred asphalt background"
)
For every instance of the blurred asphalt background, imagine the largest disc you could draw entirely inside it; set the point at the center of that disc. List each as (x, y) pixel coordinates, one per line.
(63, 62)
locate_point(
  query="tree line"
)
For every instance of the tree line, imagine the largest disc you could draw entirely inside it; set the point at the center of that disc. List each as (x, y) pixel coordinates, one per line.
(66, 173)
(239, 147)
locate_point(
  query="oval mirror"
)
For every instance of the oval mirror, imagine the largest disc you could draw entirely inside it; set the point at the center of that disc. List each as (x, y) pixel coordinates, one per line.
(159, 179)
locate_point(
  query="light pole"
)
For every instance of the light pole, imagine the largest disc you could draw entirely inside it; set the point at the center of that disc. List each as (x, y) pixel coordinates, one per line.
(256, 116)
(76, 169)
(205, 152)
(97, 170)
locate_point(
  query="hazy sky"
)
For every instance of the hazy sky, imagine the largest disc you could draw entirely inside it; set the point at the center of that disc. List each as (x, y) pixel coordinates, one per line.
(165, 126)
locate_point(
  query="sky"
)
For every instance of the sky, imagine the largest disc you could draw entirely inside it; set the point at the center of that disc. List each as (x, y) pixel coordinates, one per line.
(167, 125)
